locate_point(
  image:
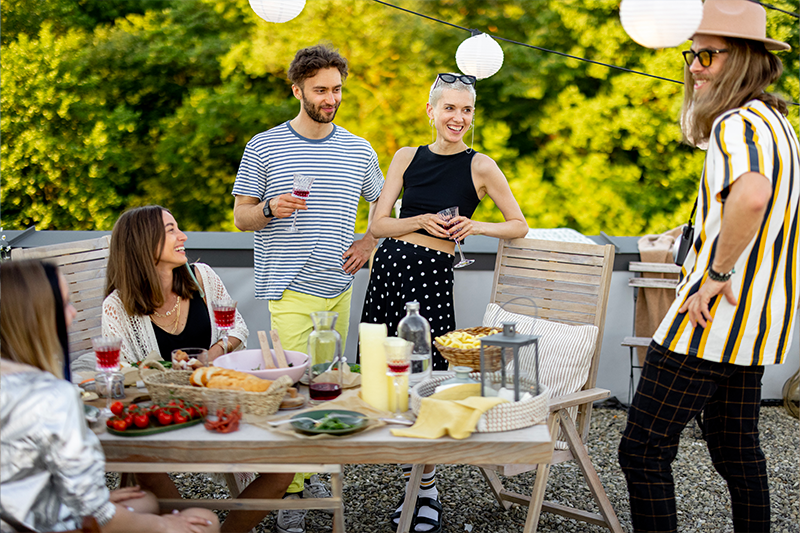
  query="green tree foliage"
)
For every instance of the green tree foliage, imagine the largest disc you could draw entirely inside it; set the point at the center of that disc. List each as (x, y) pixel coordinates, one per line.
(108, 104)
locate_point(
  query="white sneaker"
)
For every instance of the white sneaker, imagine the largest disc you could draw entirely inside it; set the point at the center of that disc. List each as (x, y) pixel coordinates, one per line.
(315, 488)
(291, 520)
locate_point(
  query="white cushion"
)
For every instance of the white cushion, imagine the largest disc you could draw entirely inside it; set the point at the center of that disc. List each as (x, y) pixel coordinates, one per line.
(565, 351)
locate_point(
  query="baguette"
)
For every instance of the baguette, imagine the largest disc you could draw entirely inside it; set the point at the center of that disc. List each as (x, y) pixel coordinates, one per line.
(222, 378)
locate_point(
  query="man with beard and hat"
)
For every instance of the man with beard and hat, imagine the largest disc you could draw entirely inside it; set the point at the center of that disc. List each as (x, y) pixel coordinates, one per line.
(736, 303)
(311, 269)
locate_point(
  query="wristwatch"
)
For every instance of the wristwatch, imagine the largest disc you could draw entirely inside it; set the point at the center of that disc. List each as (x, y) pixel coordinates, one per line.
(716, 276)
(267, 211)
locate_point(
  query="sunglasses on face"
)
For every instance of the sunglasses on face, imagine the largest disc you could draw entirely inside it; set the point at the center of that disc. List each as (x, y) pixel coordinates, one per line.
(451, 78)
(703, 56)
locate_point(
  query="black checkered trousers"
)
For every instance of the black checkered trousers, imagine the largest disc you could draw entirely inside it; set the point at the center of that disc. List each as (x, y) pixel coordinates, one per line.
(672, 390)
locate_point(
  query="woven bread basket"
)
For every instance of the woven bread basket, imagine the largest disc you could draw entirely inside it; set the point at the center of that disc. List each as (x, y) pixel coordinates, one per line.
(506, 416)
(471, 357)
(164, 385)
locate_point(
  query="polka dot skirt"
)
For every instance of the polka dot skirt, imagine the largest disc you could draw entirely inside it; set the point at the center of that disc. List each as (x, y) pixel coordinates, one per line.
(402, 272)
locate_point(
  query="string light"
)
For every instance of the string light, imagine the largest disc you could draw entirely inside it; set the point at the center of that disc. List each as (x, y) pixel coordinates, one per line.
(496, 37)
(277, 10)
(479, 56)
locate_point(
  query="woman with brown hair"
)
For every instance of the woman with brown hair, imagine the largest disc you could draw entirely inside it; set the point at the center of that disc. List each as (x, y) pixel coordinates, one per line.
(155, 300)
(51, 466)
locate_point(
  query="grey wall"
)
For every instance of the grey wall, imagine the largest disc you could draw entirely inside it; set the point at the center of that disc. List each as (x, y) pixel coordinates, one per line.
(472, 292)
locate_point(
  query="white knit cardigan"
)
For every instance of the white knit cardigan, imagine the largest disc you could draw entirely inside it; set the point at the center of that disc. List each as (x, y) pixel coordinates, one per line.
(136, 332)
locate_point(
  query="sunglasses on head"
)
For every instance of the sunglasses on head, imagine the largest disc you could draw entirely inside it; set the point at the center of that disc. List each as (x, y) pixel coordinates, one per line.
(704, 56)
(451, 78)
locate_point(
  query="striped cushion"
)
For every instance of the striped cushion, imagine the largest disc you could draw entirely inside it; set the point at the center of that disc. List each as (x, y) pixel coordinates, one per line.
(565, 351)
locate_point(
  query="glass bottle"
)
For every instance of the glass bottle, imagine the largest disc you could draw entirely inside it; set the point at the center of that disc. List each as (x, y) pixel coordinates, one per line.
(416, 329)
(327, 361)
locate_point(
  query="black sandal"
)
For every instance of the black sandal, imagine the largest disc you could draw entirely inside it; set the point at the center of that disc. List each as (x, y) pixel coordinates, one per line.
(396, 515)
(436, 523)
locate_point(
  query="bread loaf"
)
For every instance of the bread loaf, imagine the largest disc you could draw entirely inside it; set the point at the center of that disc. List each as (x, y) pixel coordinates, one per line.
(222, 378)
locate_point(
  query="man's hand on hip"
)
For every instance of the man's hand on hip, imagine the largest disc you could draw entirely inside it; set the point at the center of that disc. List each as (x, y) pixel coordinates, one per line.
(696, 306)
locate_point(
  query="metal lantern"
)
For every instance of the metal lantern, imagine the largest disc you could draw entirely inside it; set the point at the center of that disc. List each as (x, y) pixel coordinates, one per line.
(509, 338)
(661, 23)
(277, 10)
(479, 56)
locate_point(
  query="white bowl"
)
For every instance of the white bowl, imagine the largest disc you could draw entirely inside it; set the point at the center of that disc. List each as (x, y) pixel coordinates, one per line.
(250, 360)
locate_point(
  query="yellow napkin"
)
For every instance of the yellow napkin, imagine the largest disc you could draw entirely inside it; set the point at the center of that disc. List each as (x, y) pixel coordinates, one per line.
(454, 411)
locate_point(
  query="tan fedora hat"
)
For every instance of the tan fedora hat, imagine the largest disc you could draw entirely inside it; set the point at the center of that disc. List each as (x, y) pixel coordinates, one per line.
(737, 18)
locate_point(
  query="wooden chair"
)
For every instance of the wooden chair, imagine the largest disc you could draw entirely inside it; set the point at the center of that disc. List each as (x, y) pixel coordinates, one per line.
(569, 283)
(650, 278)
(83, 264)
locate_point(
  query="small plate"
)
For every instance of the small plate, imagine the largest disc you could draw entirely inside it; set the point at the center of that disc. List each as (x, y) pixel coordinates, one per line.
(152, 429)
(91, 413)
(305, 426)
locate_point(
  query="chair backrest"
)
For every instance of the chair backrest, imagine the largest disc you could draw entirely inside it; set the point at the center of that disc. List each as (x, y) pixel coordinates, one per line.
(569, 283)
(83, 264)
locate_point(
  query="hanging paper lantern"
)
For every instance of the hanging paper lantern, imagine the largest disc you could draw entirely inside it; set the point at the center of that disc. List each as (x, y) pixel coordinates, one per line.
(277, 10)
(479, 56)
(661, 23)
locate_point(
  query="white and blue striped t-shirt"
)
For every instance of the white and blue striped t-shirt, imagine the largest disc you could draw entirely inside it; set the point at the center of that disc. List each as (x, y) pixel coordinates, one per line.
(310, 261)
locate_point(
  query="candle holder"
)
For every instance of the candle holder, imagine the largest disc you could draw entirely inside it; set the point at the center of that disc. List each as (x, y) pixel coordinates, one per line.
(510, 339)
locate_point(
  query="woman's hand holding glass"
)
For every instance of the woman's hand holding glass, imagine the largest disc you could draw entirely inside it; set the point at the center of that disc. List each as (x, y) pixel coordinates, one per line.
(457, 226)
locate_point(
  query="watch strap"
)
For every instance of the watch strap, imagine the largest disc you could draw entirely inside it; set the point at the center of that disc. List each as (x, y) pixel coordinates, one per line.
(266, 209)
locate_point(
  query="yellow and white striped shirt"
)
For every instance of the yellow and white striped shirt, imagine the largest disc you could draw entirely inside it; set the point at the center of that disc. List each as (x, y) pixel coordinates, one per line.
(758, 329)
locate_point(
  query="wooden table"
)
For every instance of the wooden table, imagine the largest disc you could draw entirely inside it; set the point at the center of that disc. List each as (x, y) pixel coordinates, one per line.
(252, 449)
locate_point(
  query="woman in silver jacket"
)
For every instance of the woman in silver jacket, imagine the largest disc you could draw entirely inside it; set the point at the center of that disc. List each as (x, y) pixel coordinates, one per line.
(52, 468)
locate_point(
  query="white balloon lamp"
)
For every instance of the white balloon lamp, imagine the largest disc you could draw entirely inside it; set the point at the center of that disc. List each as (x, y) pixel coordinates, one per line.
(479, 56)
(277, 10)
(661, 23)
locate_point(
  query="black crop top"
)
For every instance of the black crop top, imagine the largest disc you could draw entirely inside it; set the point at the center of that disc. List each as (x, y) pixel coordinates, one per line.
(434, 182)
(196, 333)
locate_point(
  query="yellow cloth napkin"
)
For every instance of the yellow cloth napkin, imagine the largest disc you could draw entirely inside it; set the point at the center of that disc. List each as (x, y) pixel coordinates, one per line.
(454, 411)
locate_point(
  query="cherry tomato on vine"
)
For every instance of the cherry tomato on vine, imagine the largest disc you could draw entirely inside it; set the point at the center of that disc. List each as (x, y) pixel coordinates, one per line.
(164, 417)
(141, 420)
(117, 408)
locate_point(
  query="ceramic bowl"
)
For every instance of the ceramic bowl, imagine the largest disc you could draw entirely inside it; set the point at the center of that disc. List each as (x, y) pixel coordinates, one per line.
(250, 361)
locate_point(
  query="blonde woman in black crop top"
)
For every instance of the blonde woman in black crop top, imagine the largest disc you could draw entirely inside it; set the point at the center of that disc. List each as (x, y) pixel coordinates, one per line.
(415, 260)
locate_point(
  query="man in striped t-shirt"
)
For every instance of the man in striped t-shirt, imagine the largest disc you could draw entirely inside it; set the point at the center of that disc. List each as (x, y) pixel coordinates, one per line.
(736, 304)
(311, 269)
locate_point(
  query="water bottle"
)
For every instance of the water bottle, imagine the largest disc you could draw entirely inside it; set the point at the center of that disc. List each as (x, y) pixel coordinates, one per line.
(415, 328)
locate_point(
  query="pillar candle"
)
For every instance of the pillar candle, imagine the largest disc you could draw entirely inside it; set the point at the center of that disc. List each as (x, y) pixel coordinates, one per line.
(374, 388)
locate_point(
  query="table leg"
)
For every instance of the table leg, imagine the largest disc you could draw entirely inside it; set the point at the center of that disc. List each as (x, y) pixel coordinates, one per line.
(338, 513)
(410, 503)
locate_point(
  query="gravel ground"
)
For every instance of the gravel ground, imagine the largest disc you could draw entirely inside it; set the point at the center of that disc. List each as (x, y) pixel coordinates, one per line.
(372, 491)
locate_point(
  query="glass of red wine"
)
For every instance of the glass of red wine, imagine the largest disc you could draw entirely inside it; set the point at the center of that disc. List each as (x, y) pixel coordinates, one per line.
(224, 317)
(447, 215)
(300, 189)
(106, 352)
(398, 366)
(327, 361)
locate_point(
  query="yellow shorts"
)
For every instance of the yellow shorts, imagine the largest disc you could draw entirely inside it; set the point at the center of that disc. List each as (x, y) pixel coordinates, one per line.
(290, 316)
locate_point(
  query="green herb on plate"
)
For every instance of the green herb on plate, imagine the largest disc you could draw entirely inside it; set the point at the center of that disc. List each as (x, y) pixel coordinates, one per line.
(331, 422)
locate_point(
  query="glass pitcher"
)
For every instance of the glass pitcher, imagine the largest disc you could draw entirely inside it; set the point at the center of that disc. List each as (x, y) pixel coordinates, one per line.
(327, 360)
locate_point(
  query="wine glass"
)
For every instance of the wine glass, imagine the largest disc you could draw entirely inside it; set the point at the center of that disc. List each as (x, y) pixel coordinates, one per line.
(398, 365)
(447, 215)
(106, 352)
(300, 189)
(224, 316)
